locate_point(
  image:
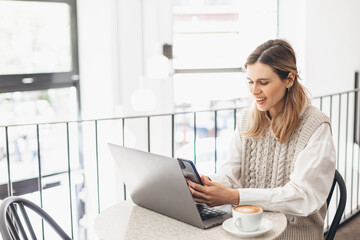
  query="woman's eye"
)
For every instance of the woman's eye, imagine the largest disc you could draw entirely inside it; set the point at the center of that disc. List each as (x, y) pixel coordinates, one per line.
(264, 83)
(250, 82)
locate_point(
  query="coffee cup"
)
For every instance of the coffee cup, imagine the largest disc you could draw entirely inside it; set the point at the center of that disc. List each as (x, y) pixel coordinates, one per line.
(247, 218)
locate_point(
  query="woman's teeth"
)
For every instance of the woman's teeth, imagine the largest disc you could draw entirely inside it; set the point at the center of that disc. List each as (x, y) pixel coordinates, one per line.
(260, 99)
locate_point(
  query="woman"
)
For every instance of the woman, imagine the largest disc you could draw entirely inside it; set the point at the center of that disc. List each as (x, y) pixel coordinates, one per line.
(282, 156)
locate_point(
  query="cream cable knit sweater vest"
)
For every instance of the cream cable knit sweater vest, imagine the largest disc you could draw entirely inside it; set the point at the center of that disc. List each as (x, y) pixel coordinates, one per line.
(268, 164)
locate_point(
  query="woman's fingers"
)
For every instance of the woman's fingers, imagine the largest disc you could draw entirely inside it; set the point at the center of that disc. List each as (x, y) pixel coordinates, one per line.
(200, 200)
(196, 193)
(196, 186)
(205, 179)
(207, 182)
(207, 202)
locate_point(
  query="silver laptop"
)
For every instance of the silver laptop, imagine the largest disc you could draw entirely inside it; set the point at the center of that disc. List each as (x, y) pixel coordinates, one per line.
(157, 183)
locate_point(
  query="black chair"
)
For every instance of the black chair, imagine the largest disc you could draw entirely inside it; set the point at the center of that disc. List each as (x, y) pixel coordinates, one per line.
(12, 220)
(341, 205)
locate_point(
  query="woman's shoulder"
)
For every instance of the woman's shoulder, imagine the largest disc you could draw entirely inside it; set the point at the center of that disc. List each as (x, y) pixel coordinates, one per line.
(243, 119)
(311, 119)
(312, 113)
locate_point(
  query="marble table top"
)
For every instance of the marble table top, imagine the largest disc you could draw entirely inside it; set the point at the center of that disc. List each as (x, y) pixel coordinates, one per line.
(127, 220)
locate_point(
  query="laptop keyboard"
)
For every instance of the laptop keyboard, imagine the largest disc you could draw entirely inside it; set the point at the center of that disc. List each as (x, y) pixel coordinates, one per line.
(207, 212)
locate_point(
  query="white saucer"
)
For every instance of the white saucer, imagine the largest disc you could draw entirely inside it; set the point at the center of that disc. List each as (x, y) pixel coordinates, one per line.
(265, 226)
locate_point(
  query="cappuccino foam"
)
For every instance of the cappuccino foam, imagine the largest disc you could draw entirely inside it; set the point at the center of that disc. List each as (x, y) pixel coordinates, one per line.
(248, 209)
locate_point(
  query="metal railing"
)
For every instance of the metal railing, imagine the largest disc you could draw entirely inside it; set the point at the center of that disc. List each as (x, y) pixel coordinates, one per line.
(343, 111)
(87, 160)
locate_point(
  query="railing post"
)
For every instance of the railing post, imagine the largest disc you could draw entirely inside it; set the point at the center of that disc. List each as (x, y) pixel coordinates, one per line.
(8, 161)
(356, 135)
(358, 180)
(331, 101)
(172, 135)
(327, 215)
(215, 136)
(40, 176)
(234, 118)
(148, 133)
(69, 178)
(195, 138)
(123, 141)
(321, 102)
(97, 164)
(123, 132)
(338, 143)
(346, 134)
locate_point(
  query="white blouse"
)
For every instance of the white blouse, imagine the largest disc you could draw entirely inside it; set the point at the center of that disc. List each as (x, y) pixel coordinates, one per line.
(309, 184)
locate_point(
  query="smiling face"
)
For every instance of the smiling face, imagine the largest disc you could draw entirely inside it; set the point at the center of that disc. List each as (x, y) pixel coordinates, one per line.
(267, 88)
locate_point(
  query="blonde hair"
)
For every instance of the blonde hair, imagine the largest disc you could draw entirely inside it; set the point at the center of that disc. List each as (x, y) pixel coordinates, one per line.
(280, 56)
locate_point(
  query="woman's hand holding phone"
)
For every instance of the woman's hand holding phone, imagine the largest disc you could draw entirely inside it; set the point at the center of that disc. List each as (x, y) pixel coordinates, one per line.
(212, 193)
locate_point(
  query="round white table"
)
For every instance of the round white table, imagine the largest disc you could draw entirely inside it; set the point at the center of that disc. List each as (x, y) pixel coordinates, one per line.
(129, 221)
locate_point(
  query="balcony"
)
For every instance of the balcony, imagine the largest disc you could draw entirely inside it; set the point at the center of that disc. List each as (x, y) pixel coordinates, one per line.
(70, 160)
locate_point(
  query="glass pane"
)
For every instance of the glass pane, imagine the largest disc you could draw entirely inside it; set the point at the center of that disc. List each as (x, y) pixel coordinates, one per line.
(220, 34)
(205, 138)
(196, 50)
(37, 106)
(209, 91)
(184, 134)
(35, 37)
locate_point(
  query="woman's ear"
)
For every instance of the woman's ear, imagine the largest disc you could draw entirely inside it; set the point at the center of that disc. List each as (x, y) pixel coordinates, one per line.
(291, 79)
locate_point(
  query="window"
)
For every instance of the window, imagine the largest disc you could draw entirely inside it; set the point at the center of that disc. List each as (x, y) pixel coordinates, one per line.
(39, 45)
(39, 82)
(211, 41)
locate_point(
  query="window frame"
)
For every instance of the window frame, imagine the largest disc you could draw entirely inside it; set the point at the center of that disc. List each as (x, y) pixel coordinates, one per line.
(44, 81)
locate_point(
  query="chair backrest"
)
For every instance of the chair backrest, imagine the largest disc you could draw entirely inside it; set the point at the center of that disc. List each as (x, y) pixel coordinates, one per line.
(15, 223)
(341, 205)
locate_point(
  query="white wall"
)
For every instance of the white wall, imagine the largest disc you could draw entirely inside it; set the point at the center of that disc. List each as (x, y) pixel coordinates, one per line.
(333, 45)
(111, 59)
(292, 27)
(326, 37)
(98, 56)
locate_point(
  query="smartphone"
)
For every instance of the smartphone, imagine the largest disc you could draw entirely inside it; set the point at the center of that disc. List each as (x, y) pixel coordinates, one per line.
(189, 171)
